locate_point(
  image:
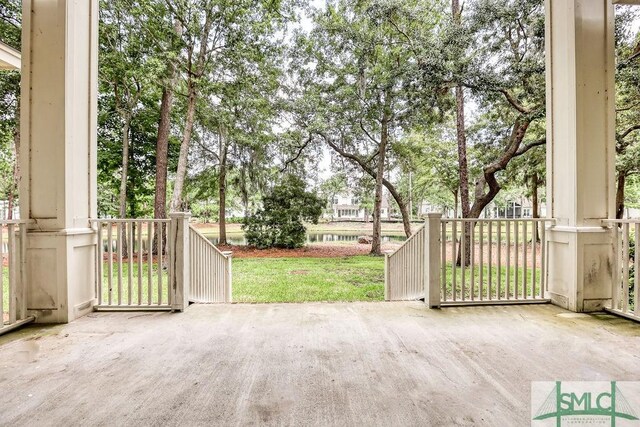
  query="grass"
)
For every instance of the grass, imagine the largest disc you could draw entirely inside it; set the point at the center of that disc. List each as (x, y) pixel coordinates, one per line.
(5, 290)
(358, 278)
(512, 283)
(123, 290)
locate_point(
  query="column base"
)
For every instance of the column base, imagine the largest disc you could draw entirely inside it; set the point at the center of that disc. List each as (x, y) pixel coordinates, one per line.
(62, 275)
(580, 267)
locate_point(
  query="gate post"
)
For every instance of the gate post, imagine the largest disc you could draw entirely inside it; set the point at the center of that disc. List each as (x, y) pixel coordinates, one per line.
(179, 261)
(228, 277)
(432, 260)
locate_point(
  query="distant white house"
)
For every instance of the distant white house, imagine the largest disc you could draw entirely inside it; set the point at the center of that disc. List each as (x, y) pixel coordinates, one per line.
(520, 208)
(346, 207)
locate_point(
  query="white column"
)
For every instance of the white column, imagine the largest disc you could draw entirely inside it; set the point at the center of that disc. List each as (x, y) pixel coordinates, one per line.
(180, 281)
(58, 155)
(580, 150)
(432, 260)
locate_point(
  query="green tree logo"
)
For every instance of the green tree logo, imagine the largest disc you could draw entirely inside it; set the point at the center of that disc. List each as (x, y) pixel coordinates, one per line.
(609, 403)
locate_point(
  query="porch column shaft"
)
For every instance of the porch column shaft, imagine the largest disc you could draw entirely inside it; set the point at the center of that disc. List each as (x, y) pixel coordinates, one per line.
(432, 254)
(580, 150)
(58, 155)
(180, 281)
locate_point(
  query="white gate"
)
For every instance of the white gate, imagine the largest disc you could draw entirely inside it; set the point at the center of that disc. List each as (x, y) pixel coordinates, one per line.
(470, 261)
(210, 270)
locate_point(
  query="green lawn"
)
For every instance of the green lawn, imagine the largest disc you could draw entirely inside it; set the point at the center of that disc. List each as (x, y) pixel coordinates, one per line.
(483, 289)
(5, 290)
(358, 278)
(121, 295)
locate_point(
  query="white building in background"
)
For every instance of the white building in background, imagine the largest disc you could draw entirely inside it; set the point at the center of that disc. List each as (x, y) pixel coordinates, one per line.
(521, 208)
(4, 211)
(346, 207)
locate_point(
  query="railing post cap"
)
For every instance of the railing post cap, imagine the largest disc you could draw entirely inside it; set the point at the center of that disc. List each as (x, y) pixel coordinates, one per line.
(227, 253)
(434, 215)
(179, 215)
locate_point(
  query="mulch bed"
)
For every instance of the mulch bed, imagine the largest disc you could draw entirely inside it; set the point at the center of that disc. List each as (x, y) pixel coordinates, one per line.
(309, 251)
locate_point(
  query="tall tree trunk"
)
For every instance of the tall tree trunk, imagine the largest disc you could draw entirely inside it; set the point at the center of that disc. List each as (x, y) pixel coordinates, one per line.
(162, 153)
(16, 163)
(535, 206)
(196, 70)
(620, 194)
(122, 205)
(162, 141)
(122, 208)
(176, 199)
(222, 188)
(376, 247)
(463, 168)
(456, 202)
(462, 153)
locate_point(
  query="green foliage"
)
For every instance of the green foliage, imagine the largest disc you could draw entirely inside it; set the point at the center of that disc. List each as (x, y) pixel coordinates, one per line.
(10, 22)
(279, 223)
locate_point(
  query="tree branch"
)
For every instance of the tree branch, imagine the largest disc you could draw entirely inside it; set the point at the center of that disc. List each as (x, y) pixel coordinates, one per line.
(523, 149)
(626, 133)
(298, 154)
(514, 102)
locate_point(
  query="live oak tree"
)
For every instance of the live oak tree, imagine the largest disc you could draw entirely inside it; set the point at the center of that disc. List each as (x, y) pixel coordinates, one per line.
(506, 77)
(627, 106)
(356, 74)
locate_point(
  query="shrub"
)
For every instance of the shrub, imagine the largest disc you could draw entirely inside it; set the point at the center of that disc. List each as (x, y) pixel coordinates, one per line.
(279, 224)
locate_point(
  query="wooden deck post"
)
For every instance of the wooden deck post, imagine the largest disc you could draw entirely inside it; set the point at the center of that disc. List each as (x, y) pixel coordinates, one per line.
(179, 261)
(228, 297)
(432, 250)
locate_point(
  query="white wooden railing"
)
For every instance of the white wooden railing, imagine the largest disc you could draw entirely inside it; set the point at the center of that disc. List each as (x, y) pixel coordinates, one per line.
(133, 264)
(625, 300)
(13, 275)
(210, 270)
(158, 264)
(404, 269)
(504, 262)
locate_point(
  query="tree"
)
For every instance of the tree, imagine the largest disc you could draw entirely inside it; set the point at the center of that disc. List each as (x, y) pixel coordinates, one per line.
(10, 28)
(169, 83)
(627, 107)
(356, 73)
(431, 156)
(128, 68)
(279, 223)
(510, 87)
(215, 34)
(461, 138)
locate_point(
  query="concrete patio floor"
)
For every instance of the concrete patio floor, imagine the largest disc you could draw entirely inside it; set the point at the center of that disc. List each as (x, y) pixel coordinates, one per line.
(306, 364)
